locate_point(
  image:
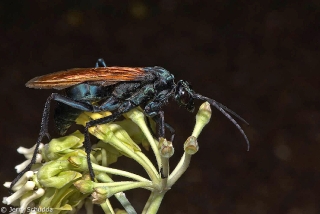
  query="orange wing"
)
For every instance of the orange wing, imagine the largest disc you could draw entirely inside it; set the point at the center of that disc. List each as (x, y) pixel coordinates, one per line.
(106, 75)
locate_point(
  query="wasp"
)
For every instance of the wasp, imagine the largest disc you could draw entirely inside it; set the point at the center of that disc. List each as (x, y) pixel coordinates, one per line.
(115, 89)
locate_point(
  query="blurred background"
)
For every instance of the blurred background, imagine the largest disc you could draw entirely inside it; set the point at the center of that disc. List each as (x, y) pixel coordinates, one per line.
(259, 58)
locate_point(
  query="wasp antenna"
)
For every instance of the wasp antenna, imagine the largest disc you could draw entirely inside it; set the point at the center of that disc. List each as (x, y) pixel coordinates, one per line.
(230, 111)
(224, 110)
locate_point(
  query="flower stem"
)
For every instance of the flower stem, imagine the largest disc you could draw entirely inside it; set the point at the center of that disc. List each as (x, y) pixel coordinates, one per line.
(119, 172)
(107, 208)
(154, 202)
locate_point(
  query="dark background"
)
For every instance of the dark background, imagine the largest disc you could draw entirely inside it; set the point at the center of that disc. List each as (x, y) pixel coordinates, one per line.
(261, 59)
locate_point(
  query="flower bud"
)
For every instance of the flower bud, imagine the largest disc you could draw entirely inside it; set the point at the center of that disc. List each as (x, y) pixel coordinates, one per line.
(57, 174)
(23, 165)
(78, 162)
(202, 118)
(35, 195)
(84, 186)
(27, 187)
(191, 145)
(166, 148)
(28, 153)
(100, 195)
(60, 146)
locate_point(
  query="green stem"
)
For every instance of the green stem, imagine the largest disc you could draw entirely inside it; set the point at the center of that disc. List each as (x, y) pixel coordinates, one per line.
(154, 202)
(120, 196)
(149, 163)
(148, 203)
(119, 172)
(152, 142)
(134, 155)
(133, 185)
(180, 169)
(125, 203)
(138, 118)
(107, 208)
(165, 172)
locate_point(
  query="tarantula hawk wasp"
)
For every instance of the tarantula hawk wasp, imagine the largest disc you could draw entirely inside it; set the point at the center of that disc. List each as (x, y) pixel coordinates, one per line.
(115, 89)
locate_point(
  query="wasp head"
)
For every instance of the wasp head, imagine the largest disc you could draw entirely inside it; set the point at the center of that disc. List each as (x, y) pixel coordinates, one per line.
(184, 95)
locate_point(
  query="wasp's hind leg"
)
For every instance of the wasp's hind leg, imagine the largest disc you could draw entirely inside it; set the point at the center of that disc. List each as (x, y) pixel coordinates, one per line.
(43, 132)
(87, 143)
(44, 125)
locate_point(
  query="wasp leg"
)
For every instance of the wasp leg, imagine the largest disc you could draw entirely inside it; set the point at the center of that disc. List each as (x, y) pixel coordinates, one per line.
(152, 110)
(159, 119)
(87, 143)
(100, 63)
(43, 132)
(171, 130)
(110, 104)
(44, 125)
(160, 122)
(166, 125)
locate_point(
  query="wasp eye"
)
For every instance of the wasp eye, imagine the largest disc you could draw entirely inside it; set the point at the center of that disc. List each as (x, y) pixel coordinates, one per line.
(184, 97)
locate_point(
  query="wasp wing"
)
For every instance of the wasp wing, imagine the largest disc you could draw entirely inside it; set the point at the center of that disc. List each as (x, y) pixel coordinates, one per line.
(104, 75)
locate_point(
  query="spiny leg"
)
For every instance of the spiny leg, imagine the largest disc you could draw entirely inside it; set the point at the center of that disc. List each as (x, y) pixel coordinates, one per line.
(87, 143)
(44, 126)
(43, 132)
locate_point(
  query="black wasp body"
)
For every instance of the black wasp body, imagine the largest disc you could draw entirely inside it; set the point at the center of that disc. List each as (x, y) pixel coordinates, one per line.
(115, 89)
(119, 97)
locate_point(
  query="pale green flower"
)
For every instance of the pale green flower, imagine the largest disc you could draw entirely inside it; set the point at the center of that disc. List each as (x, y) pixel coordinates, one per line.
(59, 181)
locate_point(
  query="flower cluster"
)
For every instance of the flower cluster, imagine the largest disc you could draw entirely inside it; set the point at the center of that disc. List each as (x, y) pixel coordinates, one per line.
(59, 179)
